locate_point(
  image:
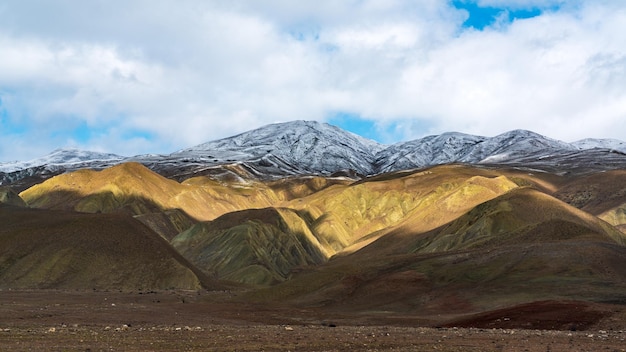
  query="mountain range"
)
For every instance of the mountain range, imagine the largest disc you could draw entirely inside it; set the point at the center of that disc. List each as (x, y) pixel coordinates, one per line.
(313, 148)
(306, 215)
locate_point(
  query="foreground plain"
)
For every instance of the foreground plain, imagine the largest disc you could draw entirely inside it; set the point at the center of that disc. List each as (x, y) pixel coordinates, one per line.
(218, 321)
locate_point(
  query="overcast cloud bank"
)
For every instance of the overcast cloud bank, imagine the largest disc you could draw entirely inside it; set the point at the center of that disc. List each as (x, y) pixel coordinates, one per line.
(134, 77)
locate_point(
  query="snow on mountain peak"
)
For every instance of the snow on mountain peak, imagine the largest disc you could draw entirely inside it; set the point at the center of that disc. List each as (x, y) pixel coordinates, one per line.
(591, 143)
(286, 133)
(458, 147)
(309, 147)
(73, 155)
(61, 157)
(313, 146)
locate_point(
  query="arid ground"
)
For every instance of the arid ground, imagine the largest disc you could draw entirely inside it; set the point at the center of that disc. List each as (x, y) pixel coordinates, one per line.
(215, 321)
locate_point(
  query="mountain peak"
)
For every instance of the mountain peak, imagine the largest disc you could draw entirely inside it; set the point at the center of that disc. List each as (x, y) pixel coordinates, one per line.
(64, 157)
(70, 155)
(291, 131)
(313, 146)
(521, 133)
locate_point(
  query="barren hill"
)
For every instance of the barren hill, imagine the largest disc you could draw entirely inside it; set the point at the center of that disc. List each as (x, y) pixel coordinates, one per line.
(256, 246)
(65, 250)
(521, 246)
(446, 240)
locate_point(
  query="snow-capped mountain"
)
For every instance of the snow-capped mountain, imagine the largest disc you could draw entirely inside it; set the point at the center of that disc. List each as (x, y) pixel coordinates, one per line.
(432, 150)
(313, 148)
(63, 158)
(463, 148)
(307, 146)
(516, 144)
(58, 161)
(591, 143)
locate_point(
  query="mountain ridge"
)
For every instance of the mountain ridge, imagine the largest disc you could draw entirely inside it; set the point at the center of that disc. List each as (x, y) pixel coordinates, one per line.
(314, 148)
(449, 239)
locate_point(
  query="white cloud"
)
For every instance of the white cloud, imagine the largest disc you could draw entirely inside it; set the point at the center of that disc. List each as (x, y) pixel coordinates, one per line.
(189, 71)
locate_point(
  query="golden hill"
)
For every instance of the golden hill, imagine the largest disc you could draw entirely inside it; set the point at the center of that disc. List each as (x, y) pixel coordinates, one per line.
(522, 216)
(358, 213)
(337, 219)
(134, 189)
(64, 250)
(519, 247)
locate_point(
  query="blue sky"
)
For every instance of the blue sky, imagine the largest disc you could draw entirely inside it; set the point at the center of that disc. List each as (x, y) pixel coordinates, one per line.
(481, 16)
(132, 77)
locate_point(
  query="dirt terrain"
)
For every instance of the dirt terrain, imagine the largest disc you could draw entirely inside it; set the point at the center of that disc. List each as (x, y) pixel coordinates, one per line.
(215, 321)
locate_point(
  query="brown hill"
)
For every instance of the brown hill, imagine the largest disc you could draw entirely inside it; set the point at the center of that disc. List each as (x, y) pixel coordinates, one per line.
(602, 194)
(256, 246)
(168, 223)
(9, 197)
(65, 250)
(520, 247)
(595, 193)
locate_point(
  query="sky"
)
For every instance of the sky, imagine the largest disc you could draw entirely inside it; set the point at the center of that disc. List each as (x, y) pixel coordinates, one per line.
(144, 76)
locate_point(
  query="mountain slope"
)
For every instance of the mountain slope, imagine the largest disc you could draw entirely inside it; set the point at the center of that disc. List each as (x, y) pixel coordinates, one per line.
(65, 250)
(591, 143)
(316, 222)
(522, 246)
(355, 214)
(522, 216)
(9, 197)
(601, 194)
(168, 223)
(431, 150)
(22, 175)
(310, 229)
(134, 189)
(256, 246)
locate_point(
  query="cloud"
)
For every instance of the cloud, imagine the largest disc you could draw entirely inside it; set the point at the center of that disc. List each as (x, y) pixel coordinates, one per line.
(156, 77)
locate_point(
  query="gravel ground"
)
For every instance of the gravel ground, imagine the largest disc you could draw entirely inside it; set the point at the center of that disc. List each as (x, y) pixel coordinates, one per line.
(175, 321)
(302, 338)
